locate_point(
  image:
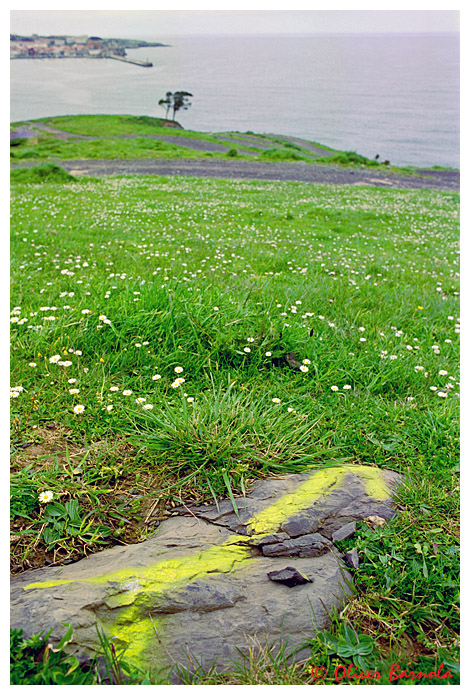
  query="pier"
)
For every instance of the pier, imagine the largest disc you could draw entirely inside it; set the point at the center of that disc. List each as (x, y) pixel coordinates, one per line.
(134, 61)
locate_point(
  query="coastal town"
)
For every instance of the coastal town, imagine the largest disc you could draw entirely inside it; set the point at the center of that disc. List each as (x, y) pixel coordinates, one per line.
(40, 47)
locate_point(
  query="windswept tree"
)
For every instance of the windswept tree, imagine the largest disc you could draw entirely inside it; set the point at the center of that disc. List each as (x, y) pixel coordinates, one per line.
(166, 102)
(175, 101)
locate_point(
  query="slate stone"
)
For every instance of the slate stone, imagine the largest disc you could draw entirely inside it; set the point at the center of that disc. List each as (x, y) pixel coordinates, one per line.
(198, 592)
(310, 545)
(351, 558)
(270, 538)
(300, 525)
(330, 511)
(344, 532)
(289, 576)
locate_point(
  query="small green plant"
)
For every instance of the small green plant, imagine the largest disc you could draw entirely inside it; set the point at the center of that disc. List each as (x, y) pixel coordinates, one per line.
(21, 153)
(233, 152)
(19, 137)
(64, 523)
(17, 140)
(23, 496)
(348, 158)
(33, 661)
(348, 644)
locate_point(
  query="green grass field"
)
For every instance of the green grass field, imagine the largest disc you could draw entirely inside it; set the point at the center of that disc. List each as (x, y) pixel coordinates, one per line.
(175, 338)
(137, 137)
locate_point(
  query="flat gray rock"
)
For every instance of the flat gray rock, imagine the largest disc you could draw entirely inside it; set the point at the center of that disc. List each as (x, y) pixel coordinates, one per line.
(199, 591)
(344, 532)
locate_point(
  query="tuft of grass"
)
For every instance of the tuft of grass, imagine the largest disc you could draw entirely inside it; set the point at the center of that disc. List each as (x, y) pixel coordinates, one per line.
(277, 154)
(225, 436)
(261, 663)
(42, 173)
(35, 661)
(348, 158)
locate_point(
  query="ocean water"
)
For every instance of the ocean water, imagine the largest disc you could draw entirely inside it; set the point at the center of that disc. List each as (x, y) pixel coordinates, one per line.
(392, 95)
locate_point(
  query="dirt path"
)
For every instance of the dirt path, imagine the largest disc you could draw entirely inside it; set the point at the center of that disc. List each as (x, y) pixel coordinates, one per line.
(265, 171)
(179, 140)
(258, 142)
(244, 169)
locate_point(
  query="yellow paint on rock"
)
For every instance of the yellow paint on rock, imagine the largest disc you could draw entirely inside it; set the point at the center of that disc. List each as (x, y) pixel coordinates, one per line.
(168, 573)
(308, 492)
(136, 631)
(222, 558)
(133, 633)
(374, 481)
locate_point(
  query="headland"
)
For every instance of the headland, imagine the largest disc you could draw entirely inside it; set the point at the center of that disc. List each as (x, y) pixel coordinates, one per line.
(40, 47)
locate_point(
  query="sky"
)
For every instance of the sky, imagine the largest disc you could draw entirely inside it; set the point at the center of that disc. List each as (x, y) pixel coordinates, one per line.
(141, 23)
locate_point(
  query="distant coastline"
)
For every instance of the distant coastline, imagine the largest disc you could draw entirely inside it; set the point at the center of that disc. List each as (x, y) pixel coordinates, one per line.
(37, 47)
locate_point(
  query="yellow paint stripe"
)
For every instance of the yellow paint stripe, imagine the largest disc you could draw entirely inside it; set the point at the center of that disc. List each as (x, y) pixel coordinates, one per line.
(308, 492)
(374, 482)
(222, 558)
(136, 633)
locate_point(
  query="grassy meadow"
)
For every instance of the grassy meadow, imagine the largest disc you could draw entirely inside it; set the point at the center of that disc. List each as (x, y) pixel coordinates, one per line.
(173, 339)
(143, 137)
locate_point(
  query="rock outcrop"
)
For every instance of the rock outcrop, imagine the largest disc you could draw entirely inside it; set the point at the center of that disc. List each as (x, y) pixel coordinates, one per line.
(212, 582)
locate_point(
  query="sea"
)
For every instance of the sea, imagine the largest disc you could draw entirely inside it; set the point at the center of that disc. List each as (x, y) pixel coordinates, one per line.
(392, 95)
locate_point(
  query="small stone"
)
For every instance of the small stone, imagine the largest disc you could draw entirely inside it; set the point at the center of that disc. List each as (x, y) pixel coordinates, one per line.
(25, 445)
(270, 538)
(375, 521)
(300, 526)
(344, 532)
(310, 545)
(351, 558)
(289, 576)
(292, 360)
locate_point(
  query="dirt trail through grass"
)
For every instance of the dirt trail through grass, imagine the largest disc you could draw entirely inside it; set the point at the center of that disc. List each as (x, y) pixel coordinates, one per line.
(267, 171)
(271, 157)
